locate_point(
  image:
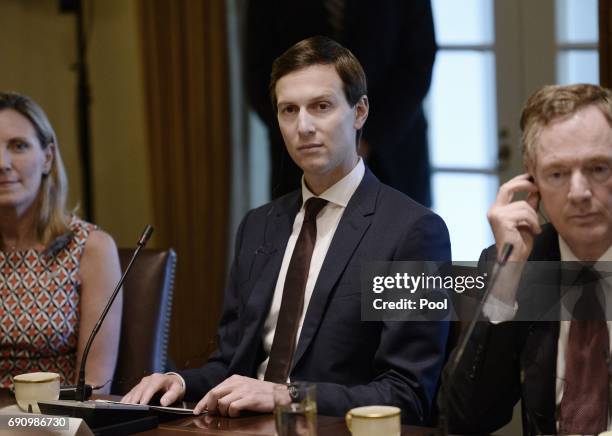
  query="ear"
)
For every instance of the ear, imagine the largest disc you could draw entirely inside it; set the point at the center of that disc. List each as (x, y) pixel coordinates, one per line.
(362, 108)
(535, 198)
(49, 156)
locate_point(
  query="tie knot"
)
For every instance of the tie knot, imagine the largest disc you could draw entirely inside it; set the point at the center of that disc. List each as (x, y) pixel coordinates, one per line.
(313, 207)
(587, 276)
(591, 301)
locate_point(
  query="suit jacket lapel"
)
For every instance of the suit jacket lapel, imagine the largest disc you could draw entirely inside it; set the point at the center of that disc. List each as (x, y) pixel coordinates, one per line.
(539, 373)
(546, 245)
(353, 225)
(279, 223)
(542, 343)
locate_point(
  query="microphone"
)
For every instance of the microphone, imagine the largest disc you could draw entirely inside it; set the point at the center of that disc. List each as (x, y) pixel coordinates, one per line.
(445, 388)
(505, 254)
(82, 391)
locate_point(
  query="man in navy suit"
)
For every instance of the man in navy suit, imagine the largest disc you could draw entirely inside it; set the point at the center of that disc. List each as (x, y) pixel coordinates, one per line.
(318, 90)
(558, 369)
(394, 42)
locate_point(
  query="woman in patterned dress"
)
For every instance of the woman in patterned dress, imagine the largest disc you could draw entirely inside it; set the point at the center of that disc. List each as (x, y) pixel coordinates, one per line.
(56, 271)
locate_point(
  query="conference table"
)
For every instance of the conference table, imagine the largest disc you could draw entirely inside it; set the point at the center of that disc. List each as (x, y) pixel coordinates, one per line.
(252, 425)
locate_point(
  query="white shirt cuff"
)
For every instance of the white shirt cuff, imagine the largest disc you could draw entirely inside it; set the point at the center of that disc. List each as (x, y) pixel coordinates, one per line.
(497, 311)
(182, 380)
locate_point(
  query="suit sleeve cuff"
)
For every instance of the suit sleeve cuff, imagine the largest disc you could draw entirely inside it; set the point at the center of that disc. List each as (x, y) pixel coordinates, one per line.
(497, 311)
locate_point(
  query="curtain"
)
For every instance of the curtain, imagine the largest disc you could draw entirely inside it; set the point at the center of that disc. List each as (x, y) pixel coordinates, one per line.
(187, 106)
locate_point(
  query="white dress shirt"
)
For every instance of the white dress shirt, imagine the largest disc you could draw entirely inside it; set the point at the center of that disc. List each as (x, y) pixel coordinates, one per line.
(338, 196)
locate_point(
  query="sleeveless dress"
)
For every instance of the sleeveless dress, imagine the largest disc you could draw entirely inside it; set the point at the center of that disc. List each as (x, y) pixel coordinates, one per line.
(40, 293)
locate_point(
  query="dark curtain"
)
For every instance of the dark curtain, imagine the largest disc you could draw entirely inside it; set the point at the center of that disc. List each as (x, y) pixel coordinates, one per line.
(187, 97)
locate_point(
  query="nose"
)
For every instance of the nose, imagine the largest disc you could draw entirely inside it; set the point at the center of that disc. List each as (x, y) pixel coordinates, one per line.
(580, 188)
(5, 159)
(305, 123)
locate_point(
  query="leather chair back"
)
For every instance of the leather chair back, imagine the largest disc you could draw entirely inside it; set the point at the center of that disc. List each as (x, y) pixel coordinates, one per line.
(147, 304)
(454, 337)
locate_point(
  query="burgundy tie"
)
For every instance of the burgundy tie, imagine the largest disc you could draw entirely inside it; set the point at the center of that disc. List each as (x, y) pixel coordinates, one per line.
(292, 303)
(584, 406)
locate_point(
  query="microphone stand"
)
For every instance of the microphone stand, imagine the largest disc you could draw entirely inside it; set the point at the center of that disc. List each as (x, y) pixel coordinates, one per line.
(105, 419)
(82, 391)
(445, 387)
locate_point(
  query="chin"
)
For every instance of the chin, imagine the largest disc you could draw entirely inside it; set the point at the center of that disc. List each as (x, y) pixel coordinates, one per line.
(314, 167)
(590, 235)
(7, 201)
(14, 201)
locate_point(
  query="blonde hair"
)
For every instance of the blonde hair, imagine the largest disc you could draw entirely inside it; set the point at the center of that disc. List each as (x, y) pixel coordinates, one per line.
(553, 102)
(52, 216)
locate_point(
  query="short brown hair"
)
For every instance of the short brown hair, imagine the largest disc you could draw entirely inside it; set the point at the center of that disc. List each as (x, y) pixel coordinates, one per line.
(52, 215)
(320, 50)
(557, 101)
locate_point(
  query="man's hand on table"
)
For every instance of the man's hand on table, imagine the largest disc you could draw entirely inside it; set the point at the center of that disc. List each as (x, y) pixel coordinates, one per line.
(168, 384)
(238, 393)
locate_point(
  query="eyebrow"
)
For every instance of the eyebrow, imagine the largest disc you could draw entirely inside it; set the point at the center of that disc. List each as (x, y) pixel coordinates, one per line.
(562, 162)
(19, 138)
(325, 96)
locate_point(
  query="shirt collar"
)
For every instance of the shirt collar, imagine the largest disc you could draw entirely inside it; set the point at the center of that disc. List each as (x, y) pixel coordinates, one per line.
(341, 192)
(569, 256)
